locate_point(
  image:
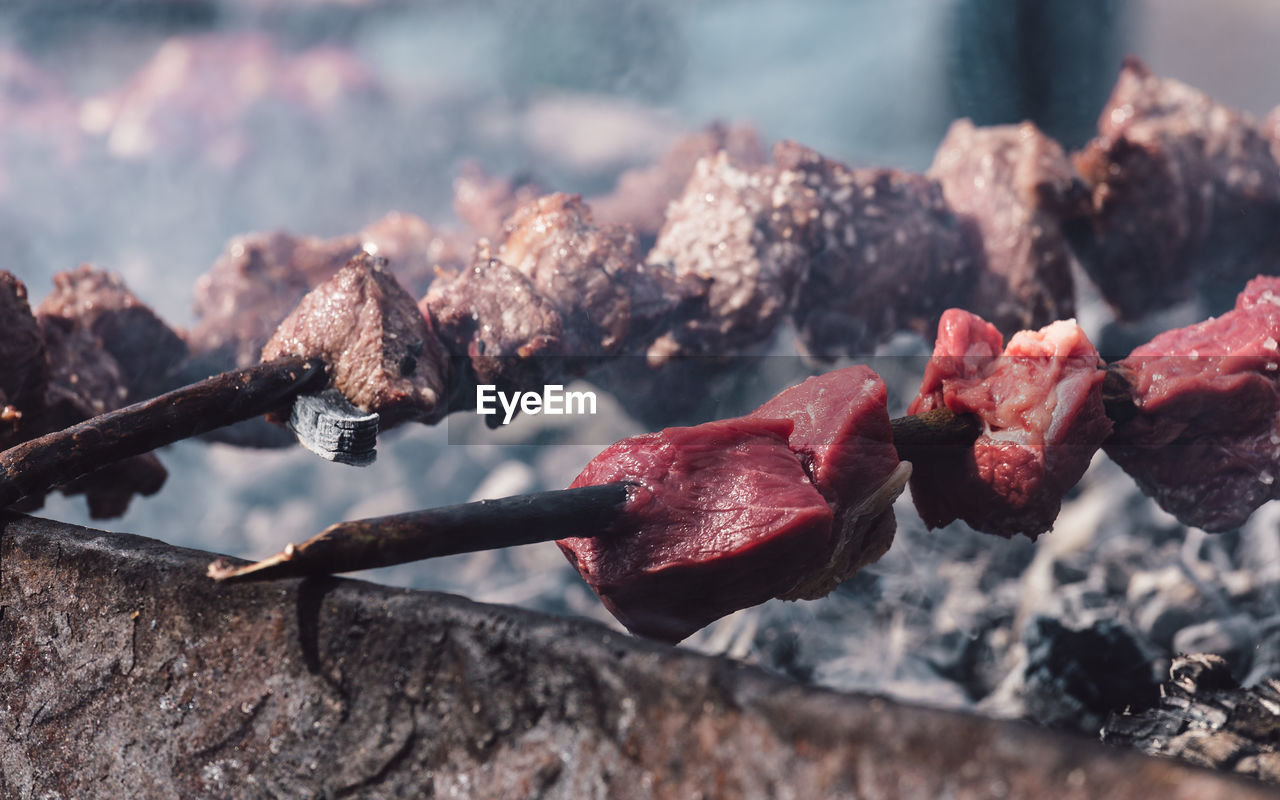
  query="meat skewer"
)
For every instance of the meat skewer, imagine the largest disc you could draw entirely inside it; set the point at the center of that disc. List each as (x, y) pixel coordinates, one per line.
(38, 464)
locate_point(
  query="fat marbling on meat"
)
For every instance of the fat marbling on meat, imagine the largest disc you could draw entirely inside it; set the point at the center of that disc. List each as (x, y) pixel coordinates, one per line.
(1015, 186)
(1040, 402)
(1206, 440)
(1186, 194)
(381, 352)
(722, 516)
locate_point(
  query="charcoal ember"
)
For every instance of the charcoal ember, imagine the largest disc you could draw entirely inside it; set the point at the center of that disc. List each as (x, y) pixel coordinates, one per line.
(85, 381)
(1205, 717)
(1075, 678)
(23, 366)
(1186, 194)
(201, 97)
(642, 195)
(1015, 186)
(414, 248)
(485, 202)
(878, 237)
(722, 517)
(381, 352)
(144, 348)
(1205, 443)
(1040, 402)
(844, 441)
(254, 285)
(746, 232)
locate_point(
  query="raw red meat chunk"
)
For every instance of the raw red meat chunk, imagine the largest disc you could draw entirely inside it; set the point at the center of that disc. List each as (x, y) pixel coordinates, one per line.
(1040, 402)
(1206, 440)
(722, 517)
(843, 438)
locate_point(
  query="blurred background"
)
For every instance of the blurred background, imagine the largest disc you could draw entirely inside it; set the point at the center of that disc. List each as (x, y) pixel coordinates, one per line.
(140, 135)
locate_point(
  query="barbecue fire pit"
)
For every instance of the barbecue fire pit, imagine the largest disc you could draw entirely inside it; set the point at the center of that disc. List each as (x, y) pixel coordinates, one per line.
(902, 437)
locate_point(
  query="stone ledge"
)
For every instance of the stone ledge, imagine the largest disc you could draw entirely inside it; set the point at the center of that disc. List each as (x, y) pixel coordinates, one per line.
(126, 673)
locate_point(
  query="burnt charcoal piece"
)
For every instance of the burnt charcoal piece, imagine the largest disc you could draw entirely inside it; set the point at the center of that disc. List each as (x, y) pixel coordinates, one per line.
(746, 232)
(143, 346)
(887, 254)
(1015, 186)
(382, 353)
(722, 517)
(485, 202)
(1205, 443)
(1204, 717)
(1186, 194)
(844, 441)
(1075, 678)
(254, 285)
(643, 194)
(414, 249)
(1040, 401)
(23, 368)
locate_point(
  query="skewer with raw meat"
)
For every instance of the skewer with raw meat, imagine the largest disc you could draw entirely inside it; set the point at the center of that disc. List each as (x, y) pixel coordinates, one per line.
(1205, 442)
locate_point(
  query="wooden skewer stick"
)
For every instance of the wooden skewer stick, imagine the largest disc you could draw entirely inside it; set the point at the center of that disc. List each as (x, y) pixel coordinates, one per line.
(46, 461)
(466, 528)
(492, 524)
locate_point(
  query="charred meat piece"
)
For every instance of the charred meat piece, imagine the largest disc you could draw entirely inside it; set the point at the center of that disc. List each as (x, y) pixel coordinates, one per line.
(1014, 185)
(1206, 441)
(887, 255)
(382, 353)
(841, 434)
(1040, 402)
(746, 232)
(414, 249)
(643, 194)
(143, 346)
(722, 517)
(23, 366)
(254, 285)
(85, 381)
(559, 295)
(1186, 194)
(494, 318)
(485, 202)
